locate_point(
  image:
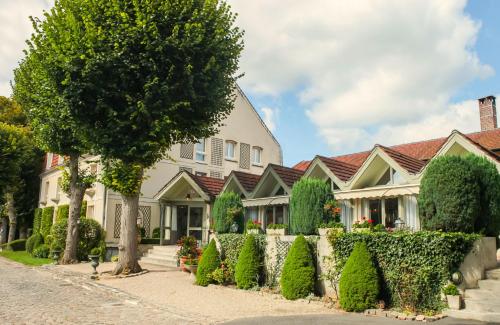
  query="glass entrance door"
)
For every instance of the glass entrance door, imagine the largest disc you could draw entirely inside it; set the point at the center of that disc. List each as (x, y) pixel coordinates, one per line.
(195, 222)
(182, 219)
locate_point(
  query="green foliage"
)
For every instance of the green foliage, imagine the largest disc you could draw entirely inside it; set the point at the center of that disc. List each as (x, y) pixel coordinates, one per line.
(150, 241)
(223, 275)
(461, 194)
(33, 242)
(90, 235)
(25, 258)
(276, 226)
(156, 233)
(14, 147)
(37, 220)
(210, 261)
(228, 209)
(95, 251)
(122, 178)
(413, 266)
(451, 290)
(15, 245)
(62, 212)
(231, 246)
(359, 283)
(47, 217)
(253, 224)
(83, 210)
(247, 271)
(307, 205)
(11, 112)
(41, 251)
(297, 278)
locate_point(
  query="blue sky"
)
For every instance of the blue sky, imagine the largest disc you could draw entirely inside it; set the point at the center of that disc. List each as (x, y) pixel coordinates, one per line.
(334, 77)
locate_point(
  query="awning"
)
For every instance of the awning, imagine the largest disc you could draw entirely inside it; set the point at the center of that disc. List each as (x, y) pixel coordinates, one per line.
(274, 200)
(377, 192)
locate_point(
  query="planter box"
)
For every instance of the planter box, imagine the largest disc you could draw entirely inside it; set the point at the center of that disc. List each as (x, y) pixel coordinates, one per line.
(276, 232)
(325, 231)
(253, 231)
(453, 302)
(361, 229)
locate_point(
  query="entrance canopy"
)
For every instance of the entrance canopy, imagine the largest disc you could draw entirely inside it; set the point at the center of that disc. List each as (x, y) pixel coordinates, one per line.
(186, 186)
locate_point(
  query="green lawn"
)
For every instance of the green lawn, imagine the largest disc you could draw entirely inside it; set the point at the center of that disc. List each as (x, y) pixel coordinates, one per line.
(25, 258)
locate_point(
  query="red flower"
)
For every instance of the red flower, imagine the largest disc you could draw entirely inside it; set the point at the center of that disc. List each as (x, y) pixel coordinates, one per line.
(337, 210)
(370, 221)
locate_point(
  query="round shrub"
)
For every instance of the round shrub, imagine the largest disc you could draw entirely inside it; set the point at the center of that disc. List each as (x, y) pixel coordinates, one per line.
(228, 209)
(248, 265)
(41, 251)
(297, 278)
(210, 261)
(33, 242)
(359, 282)
(62, 212)
(307, 203)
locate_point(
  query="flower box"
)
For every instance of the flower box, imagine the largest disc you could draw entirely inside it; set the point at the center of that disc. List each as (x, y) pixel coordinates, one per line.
(276, 232)
(453, 302)
(325, 231)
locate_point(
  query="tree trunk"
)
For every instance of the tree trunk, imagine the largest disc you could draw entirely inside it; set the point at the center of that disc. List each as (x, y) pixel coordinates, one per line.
(3, 230)
(127, 246)
(77, 191)
(11, 212)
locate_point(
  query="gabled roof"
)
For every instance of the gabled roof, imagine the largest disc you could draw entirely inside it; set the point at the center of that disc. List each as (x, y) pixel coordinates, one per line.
(248, 181)
(342, 170)
(410, 164)
(302, 165)
(210, 185)
(288, 175)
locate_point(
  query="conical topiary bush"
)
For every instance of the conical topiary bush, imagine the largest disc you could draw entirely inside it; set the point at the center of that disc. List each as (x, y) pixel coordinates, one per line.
(210, 261)
(248, 265)
(297, 278)
(359, 283)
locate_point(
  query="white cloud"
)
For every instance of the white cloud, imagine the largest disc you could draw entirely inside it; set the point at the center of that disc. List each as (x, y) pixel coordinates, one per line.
(270, 116)
(15, 28)
(366, 71)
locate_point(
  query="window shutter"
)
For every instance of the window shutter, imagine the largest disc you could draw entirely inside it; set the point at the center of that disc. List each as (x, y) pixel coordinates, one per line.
(187, 150)
(215, 174)
(245, 156)
(217, 152)
(118, 220)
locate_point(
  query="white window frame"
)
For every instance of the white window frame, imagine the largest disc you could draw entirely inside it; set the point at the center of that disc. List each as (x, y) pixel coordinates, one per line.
(197, 151)
(256, 162)
(226, 151)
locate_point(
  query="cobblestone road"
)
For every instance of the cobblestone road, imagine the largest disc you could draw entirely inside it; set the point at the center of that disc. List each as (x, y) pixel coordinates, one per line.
(43, 296)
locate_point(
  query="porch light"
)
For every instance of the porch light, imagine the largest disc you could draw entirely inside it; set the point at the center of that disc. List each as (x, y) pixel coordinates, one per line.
(399, 223)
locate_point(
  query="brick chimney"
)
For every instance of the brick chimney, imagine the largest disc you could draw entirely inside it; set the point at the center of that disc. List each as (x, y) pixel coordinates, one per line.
(488, 113)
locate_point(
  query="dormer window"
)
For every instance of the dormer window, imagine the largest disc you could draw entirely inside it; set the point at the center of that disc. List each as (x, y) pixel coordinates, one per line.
(230, 150)
(200, 150)
(257, 156)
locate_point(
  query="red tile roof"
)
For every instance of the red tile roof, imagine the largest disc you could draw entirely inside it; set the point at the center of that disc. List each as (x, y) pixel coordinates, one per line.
(210, 185)
(288, 175)
(412, 165)
(355, 159)
(341, 169)
(247, 180)
(302, 165)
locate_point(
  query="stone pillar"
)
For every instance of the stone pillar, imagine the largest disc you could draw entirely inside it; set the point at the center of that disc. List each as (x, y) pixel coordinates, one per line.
(162, 222)
(168, 223)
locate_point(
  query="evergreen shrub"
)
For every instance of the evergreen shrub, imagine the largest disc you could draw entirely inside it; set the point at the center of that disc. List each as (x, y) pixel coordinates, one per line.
(210, 261)
(37, 220)
(297, 277)
(46, 223)
(41, 251)
(307, 203)
(248, 267)
(62, 212)
(33, 242)
(359, 283)
(228, 209)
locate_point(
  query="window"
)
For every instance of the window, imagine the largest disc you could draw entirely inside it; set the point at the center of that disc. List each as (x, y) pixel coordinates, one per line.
(46, 191)
(375, 207)
(230, 150)
(200, 150)
(257, 156)
(200, 174)
(58, 189)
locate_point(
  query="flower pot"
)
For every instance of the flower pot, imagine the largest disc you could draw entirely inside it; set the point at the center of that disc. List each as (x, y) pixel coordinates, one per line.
(325, 231)
(276, 232)
(94, 262)
(253, 231)
(361, 229)
(182, 261)
(453, 302)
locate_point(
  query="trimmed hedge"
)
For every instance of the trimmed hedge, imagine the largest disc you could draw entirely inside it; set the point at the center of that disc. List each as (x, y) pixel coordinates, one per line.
(228, 209)
(413, 266)
(210, 261)
(15, 245)
(359, 282)
(37, 220)
(307, 203)
(62, 212)
(33, 242)
(41, 251)
(47, 217)
(247, 272)
(297, 278)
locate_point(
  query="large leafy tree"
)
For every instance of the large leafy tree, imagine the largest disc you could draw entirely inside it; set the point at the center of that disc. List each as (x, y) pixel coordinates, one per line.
(38, 88)
(138, 77)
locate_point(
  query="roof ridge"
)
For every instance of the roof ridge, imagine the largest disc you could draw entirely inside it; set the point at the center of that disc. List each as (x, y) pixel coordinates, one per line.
(337, 161)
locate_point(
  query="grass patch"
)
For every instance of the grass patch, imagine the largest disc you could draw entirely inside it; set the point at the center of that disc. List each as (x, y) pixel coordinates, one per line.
(25, 258)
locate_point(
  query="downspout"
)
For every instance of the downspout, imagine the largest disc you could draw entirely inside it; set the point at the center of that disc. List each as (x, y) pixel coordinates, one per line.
(105, 207)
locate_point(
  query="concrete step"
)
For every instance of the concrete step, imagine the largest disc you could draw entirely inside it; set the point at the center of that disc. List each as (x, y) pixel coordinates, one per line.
(157, 257)
(492, 285)
(160, 253)
(478, 294)
(169, 248)
(483, 305)
(493, 274)
(482, 316)
(158, 261)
